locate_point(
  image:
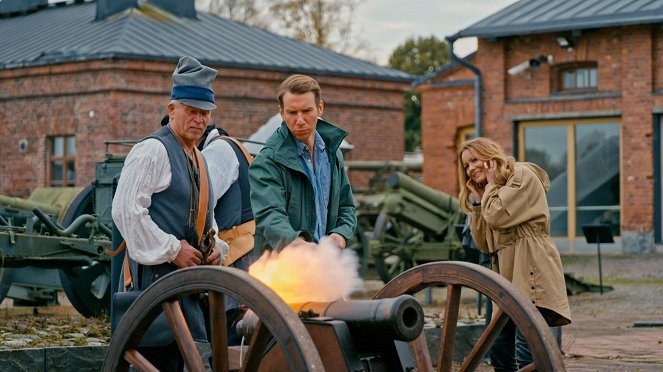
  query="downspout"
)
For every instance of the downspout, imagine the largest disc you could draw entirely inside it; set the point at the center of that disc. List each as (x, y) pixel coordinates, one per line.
(477, 83)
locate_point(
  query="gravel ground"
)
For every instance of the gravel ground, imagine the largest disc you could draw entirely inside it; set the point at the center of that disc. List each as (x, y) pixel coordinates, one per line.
(602, 336)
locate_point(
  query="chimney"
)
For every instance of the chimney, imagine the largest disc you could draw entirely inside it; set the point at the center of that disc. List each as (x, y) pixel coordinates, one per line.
(12, 8)
(180, 8)
(106, 8)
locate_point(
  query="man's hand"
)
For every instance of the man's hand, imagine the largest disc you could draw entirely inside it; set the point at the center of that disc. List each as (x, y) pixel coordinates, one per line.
(299, 242)
(214, 257)
(338, 239)
(188, 255)
(217, 255)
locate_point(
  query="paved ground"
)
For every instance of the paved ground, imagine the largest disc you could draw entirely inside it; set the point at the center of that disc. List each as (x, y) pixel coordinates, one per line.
(602, 336)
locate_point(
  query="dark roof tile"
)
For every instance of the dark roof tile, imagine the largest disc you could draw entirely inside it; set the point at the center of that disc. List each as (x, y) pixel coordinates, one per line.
(539, 16)
(70, 33)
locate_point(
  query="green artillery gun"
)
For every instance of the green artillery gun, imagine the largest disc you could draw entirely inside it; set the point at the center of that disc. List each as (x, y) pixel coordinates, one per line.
(41, 255)
(402, 222)
(59, 238)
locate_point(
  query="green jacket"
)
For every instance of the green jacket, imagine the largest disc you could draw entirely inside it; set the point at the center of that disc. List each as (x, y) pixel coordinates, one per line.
(282, 196)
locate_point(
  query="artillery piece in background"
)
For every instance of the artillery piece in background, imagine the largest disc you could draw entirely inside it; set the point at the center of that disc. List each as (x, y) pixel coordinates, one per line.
(40, 255)
(401, 222)
(58, 238)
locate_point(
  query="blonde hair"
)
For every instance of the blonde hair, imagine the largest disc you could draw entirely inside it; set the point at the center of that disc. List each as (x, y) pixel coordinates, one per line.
(484, 149)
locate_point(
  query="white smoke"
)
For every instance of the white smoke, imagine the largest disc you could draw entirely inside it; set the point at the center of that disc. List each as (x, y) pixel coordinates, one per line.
(303, 273)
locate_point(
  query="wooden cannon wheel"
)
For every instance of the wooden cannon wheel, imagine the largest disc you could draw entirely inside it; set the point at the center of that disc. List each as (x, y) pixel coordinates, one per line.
(278, 322)
(508, 302)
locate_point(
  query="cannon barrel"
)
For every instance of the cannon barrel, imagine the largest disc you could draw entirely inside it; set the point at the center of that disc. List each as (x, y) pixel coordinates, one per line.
(429, 194)
(399, 318)
(26, 204)
(373, 165)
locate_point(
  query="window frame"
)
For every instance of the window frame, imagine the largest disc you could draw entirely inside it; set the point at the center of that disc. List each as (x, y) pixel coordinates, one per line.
(558, 71)
(66, 159)
(571, 124)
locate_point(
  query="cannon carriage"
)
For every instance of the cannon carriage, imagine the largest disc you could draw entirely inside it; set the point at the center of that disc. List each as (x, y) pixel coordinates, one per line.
(382, 334)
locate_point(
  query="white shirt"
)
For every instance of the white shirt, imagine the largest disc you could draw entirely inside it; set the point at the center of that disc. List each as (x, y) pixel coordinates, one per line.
(146, 171)
(222, 164)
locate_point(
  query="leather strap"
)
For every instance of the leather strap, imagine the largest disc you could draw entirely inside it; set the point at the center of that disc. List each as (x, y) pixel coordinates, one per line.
(203, 196)
(126, 271)
(246, 153)
(128, 282)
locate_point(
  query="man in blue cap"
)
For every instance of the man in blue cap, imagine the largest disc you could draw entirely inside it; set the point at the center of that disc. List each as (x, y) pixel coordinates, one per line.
(158, 201)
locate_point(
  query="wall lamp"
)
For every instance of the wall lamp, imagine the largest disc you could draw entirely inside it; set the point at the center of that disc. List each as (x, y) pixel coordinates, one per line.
(564, 42)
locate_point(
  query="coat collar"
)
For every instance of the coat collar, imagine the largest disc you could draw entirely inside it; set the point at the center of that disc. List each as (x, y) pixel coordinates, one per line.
(285, 148)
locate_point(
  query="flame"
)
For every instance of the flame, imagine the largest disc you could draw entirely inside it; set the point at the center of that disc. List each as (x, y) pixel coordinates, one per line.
(309, 272)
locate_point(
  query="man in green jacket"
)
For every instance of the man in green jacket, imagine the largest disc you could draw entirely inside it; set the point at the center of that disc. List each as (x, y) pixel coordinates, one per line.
(299, 188)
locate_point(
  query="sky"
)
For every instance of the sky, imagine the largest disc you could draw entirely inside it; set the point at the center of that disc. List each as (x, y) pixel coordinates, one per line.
(383, 25)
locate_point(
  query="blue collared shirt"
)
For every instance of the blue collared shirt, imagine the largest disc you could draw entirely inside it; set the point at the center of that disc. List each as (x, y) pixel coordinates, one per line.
(320, 178)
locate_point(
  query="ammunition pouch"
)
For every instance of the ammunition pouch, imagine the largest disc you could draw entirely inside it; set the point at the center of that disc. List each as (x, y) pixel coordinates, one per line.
(239, 239)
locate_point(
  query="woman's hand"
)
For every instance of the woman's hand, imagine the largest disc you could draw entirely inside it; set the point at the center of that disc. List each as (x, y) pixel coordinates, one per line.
(491, 170)
(475, 189)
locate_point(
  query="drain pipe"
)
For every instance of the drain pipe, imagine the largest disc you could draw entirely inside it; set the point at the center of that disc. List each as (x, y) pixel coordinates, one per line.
(477, 83)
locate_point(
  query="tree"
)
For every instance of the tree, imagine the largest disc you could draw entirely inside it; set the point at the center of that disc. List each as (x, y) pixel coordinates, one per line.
(326, 23)
(245, 11)
(417, 57)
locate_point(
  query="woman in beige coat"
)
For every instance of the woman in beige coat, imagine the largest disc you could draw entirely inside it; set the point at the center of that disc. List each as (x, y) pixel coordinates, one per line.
(510, 221)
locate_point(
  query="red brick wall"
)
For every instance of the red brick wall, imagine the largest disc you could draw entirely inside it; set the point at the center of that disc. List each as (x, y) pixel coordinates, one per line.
(114, 100)
(630, 78)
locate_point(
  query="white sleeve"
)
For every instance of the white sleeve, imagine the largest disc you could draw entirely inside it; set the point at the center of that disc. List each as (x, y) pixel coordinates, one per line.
(146, 171)
(223, 167)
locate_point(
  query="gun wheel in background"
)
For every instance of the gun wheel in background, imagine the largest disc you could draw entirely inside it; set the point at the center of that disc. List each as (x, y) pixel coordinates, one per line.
(86, 287)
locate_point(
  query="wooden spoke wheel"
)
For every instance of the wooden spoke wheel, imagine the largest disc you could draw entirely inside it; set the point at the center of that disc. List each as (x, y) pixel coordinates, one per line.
(278, 323)
(508, 303)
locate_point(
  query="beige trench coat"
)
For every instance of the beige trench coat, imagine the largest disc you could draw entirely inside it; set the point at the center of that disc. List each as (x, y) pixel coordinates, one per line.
(513, 221)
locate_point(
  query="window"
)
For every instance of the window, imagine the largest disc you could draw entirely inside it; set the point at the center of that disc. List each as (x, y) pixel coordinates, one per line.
(465, 133)
(576, 77)
(582, 161)
(62, 170)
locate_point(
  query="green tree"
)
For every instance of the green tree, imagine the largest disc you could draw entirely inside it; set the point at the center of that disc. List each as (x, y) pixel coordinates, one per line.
(417, 57)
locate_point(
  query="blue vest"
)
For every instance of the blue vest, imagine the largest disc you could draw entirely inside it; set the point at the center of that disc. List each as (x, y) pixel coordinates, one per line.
(234, 207)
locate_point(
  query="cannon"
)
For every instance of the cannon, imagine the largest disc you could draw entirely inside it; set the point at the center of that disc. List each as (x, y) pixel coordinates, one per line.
(366, 335)
(41, 256)
(353, 335)
(401, 221)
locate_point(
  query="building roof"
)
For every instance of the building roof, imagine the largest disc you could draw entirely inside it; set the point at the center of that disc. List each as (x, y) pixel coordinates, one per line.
(69, 33)
(442, 70)
(540, 16)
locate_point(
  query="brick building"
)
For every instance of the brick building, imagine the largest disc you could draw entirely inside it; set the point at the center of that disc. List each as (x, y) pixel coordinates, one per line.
(574, 86)
(73, 75)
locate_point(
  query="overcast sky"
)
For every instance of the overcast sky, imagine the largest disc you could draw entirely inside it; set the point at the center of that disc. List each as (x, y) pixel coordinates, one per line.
(385, 24)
